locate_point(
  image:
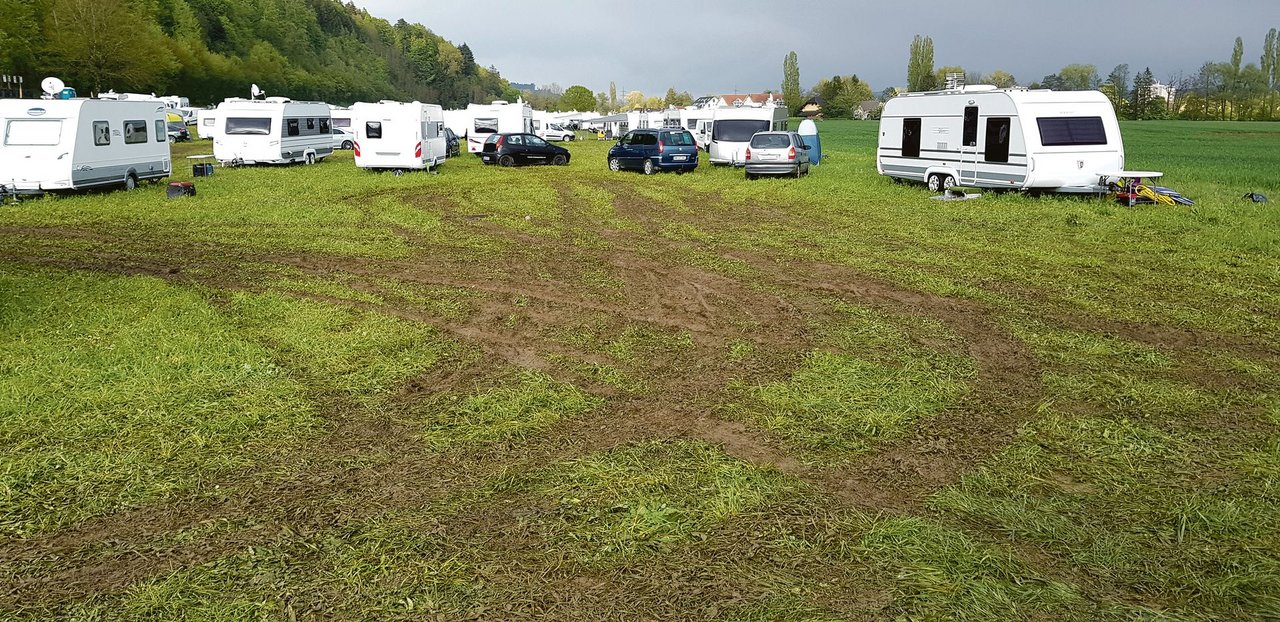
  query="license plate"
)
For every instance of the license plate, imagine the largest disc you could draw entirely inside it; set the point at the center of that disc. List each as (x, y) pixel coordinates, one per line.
(485, 158)
(680, 158)
(769, 156)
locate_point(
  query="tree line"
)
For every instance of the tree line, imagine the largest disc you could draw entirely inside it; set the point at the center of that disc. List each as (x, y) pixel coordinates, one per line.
(208, 50)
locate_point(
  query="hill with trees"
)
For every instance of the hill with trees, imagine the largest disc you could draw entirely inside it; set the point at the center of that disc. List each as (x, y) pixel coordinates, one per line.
(208, 50)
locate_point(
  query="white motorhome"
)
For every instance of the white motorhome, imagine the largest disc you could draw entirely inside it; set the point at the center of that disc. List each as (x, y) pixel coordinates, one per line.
(205, 120)
(732, 127)
(275, 130)
(340, 117)
(81, 143)
(548, 127)
(498, 117)
(985, 137)
(399, 136)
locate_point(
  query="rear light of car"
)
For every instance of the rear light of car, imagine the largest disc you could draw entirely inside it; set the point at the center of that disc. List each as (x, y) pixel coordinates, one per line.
(748, 154)
(791, 153)
(498, 143)
(661, 147)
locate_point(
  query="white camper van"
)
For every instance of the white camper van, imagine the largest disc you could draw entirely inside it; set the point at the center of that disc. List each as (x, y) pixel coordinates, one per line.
(396, 135)
(985, 137)
(499, 117)
(205, 120)
(732, 127)
(276, 130)
(81, 143)
(340, 117)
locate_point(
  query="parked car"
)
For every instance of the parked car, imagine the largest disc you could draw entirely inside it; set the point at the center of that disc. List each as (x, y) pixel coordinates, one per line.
(555, 131)
(653, 150)
(343, 139)
(519, 148)
(777, 153)
(178, 132)
(452, 144)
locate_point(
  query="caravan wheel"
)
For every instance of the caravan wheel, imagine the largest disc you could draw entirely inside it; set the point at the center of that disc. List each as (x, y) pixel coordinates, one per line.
(130, 182)
(311, 158)
(948, 182)
(935, 183)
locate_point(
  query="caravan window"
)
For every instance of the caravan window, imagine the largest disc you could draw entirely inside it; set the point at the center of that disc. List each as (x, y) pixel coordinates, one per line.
(486, 126)
(373, 129)
(737, 130)
(101, 133)
(997, 149)
(1071, 131)
(26, 133)
(324, 126)
(311, 124)
(248, 126)
(135, 132)
(291, 127)
(162, 132)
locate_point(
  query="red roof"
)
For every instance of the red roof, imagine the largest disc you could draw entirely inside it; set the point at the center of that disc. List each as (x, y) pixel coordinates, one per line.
(753, 98)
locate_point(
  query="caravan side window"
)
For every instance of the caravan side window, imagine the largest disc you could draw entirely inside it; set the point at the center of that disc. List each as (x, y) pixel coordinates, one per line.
(373, 129)
(135, 132)
(162, 131)
(292, 127)
(997, 149)
(324, 126)
(101, 133)
(911, 138)
(311, 125)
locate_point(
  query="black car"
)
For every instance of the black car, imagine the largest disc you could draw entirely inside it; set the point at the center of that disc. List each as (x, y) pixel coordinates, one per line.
(178, 132)
(513, 149)
(452, 146)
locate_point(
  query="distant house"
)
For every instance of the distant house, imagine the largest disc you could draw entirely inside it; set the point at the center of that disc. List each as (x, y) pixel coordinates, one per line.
(812, 109)
(869, 109)
(739, 99)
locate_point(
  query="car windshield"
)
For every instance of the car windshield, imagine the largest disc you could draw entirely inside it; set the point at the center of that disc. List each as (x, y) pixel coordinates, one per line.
(177, 126)
(248, 125)
(770, 141)
(678, 139)
(737, 130)
(492, 139)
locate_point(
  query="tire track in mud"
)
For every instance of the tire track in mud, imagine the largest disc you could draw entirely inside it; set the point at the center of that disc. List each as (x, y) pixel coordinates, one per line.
(683, 387)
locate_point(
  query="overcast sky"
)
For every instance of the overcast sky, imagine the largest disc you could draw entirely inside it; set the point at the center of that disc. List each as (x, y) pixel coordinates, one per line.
(721, 46)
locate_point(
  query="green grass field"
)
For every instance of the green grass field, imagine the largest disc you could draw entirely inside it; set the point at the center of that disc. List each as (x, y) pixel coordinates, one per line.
(314, 393)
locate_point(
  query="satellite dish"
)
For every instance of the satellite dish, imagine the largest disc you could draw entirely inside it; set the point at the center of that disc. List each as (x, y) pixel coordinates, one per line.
(52, 86)
(255, 92)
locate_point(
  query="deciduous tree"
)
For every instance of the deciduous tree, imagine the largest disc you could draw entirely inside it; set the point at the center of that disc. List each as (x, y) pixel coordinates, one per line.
(791, 83)
(920, 67)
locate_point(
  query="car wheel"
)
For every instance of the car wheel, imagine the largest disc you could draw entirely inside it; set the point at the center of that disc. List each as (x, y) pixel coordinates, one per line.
(649, 168)
(506, 160)
(559, 160)
(615, 164)
(346, 144)
(935, 183)
(130, 182)
(948, 182)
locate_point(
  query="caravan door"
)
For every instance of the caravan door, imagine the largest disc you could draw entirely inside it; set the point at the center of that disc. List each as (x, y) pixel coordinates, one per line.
(968, 166)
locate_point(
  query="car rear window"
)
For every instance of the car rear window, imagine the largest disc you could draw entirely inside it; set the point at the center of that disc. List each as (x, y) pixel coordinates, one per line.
(678, 139)
(770, 141)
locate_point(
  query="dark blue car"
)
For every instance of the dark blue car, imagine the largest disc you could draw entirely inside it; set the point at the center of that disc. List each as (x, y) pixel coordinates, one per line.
(653, 150)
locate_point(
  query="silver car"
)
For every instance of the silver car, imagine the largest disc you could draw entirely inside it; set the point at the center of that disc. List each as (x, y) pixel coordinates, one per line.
(777, 153)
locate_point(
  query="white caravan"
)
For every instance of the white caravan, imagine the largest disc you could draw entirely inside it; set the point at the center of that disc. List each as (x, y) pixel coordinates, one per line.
(340, 117)
(499, 117)
(459, 121)
(205, 120)
(985, 137)
(732, 128)
(399, 136)
(276, 130)
(81, 143)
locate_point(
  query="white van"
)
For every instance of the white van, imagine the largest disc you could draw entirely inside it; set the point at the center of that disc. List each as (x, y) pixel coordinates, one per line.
(276, 130)
(73, 144)
(732, 127)
(205, 120)
(985, 137)
(499, 117)
(397, 135)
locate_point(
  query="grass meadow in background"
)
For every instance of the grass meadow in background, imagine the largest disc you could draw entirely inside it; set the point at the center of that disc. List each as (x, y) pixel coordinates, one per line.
(317, 392)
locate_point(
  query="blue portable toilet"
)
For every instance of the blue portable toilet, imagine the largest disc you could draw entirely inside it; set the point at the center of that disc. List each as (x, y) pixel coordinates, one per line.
(808, 130)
